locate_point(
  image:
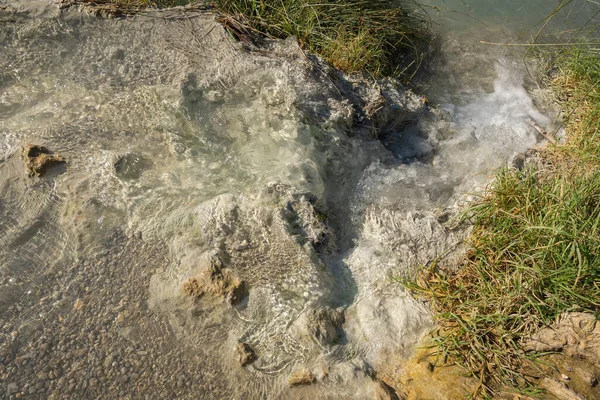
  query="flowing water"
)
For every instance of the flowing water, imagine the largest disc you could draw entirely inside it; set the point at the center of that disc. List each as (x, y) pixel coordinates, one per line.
(190, 158)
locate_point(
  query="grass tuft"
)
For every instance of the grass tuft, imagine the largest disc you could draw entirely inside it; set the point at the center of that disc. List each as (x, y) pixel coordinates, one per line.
(380, 37)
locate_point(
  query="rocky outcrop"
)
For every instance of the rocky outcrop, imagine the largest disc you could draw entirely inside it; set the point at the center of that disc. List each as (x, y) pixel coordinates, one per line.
(215, 281)
(246, 354)
(575, 334)
(38, 159)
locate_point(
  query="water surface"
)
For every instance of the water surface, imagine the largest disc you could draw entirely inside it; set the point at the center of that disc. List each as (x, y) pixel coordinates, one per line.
(179, 140)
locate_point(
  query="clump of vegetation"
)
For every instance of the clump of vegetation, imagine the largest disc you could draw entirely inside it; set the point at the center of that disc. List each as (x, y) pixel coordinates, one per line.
(535, 248)
(577, 80)
(371, 35)
(534, 254)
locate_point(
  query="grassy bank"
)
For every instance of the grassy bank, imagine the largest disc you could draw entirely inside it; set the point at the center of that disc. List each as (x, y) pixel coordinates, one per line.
(577, 80)
(379, 37)
(535, 248)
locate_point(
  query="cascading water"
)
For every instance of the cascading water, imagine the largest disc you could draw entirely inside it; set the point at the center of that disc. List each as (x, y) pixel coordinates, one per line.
(215, 196)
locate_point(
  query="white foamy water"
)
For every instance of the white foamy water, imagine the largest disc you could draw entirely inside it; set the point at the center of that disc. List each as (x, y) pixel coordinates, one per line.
(463, 145)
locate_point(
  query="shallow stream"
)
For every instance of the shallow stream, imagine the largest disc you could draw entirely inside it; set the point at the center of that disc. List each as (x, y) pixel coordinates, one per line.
(232, 166)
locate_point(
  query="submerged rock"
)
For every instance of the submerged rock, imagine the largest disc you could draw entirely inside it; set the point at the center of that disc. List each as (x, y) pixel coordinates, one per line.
(325, 324)
(246, 354)
(131, 166)
(301, 376)
(217, 282)
(38, 159)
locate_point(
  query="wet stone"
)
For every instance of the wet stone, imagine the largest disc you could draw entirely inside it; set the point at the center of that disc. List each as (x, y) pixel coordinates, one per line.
(246, 354)
(11, 388)
(39, 159)
(216, 282)
(301, 377)
(131, 166)
(325, 325)
(118, 54)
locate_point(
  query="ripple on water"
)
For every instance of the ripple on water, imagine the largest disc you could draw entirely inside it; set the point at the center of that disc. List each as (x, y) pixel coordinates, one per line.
(249, 163)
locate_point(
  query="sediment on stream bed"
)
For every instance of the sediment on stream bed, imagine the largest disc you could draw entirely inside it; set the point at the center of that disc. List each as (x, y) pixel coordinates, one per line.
(240, 163)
